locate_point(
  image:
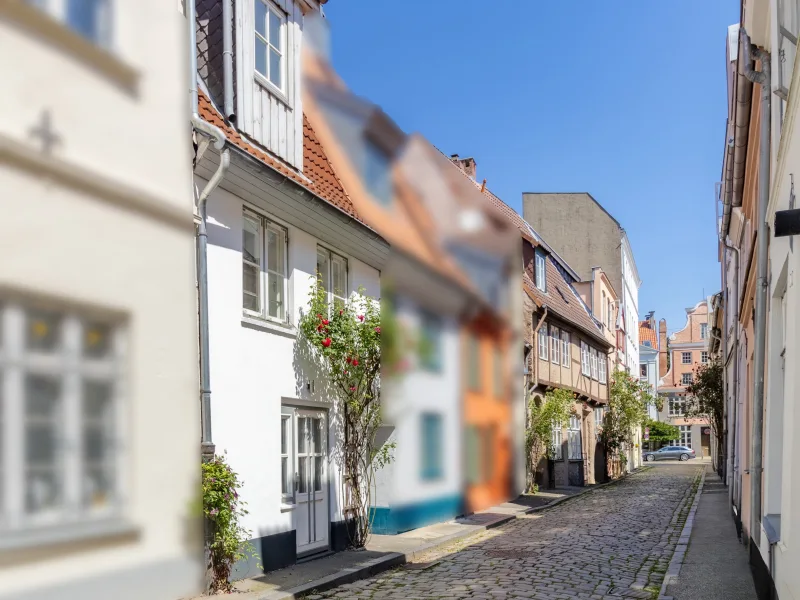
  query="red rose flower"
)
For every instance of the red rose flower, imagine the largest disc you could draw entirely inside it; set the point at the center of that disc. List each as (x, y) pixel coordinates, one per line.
(360, 317)
(355, 362)
(319, 327)
(326, 342)
(377, 330)
(352, 388)
(348, 360)
(325, 321)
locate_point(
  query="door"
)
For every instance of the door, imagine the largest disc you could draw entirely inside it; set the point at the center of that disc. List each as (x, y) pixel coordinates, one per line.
(310, 480)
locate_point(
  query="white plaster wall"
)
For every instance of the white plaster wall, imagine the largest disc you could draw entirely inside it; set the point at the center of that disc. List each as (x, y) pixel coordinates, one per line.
(253, 369)
(406, 400)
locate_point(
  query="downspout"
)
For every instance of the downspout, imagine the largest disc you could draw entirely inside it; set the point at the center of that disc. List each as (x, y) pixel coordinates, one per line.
(733, 415)
(218, 139)
(227, 59)
(759, 327)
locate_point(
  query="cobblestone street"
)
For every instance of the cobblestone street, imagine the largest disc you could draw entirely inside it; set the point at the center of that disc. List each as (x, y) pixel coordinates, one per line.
(612, 542)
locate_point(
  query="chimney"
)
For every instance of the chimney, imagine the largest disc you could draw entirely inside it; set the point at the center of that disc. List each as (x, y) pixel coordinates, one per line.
(662, 347)
(468, 165)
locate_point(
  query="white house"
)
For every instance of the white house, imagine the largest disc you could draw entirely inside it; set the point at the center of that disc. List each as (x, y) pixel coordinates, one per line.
(278, 216)
(98, 343)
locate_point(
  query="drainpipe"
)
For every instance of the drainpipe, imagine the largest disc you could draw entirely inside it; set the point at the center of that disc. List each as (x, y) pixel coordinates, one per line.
(218, 139)
(760, 326)
(733, 412)
(227, 59)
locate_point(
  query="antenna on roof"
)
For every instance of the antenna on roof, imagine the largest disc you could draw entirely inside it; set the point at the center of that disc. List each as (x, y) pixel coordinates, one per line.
(483, 185)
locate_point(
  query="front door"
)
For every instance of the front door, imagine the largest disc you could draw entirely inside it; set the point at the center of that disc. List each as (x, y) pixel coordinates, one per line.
(310, 480)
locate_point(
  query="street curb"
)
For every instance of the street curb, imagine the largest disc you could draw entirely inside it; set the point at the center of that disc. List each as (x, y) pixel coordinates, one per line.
(377, 565)
(395, 559)
(675, 564)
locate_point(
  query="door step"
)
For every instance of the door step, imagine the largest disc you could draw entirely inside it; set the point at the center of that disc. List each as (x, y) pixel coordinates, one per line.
(313, 555)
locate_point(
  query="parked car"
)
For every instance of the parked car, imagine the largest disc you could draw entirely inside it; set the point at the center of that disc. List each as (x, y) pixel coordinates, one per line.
(667, 452)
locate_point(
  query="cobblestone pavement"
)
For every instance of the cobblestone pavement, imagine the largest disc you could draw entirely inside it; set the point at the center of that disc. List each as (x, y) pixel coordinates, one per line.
(613, 542)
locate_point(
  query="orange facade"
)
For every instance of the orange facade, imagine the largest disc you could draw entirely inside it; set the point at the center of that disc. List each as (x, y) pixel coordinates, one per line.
(487, 414)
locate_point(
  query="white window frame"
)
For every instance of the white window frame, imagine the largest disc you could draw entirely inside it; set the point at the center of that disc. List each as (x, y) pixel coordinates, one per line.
(544, 343)
(540, 270)
(585, 362)
(557, 440)
(574, 438)
(602, 367)
(70, 365)
(288, 454)
(676, 406)
(555, 345)
(704, 357)
(684, 378)
(59, 10)
(565, 353)
(593, 363)
(643, 374)
(703, 331)
(686, 358)
(333, 257)
(685, 436)
(264, 79)
(265, 225)
(599, 415)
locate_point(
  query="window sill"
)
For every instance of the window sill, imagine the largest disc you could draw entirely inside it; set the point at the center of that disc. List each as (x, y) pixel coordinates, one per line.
(285, 330)
(271, 89)
(45, 540)
(62, 38)
(287, 507)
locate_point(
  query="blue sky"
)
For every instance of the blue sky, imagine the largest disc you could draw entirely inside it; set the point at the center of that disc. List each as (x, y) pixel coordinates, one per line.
(625, 100)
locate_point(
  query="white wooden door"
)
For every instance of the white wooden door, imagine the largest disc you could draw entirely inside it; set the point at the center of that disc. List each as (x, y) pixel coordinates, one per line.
(311, 480)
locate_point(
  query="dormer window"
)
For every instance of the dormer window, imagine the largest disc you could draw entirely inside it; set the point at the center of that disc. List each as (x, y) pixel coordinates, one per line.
(540, 272)
(378, 173)
(270, 43)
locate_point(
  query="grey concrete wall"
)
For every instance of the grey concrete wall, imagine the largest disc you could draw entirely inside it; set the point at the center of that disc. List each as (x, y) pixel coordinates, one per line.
(578, 228)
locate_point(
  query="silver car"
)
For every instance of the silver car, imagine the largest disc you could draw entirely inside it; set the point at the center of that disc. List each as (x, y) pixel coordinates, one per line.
(667, 452)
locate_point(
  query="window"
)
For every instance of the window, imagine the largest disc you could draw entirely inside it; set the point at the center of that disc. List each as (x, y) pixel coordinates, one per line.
(643, 371)
(685, 436)
(604, 308)
(677, 406)
(472, 450)
(432, 459)
(599, 414)
(555, 354)
(264, 267)
(378, 173)
(543, 342)
(565, 357)
(332, 270)
(61, 377)
(602, 367)
(704, 357)
(430, 341)
(270, 42)
(574, 438)
(703, 331)
(90, 19)
(686, 379)
(540, 271)
(647, 343)
(585, 362)
(557, 441)
(686, 358)
(498, 379)
(286, 469)
(474, 363)
(593, 358)
(610, 314)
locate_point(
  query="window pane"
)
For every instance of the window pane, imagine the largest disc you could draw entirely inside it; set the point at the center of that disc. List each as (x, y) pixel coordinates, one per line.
(42, 490)
(275, 285)
(276, 250)
(43, 331)
(261, 18)
(302, 484)
(251, 241)
(275, 75)
(98, 486)
(97, 401)
(96, 340)
(284, 475)
(323, 269)
(284, 435)
(250, 287)
(42, 396)
(302, 432)
(261, 56)
(318, 474)
(316, 434)
(339, 276)
(431, 446)
(275, 31)
(88, 18)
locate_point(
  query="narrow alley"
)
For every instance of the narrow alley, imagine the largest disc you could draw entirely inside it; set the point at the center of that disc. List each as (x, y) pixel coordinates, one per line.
(613, 542)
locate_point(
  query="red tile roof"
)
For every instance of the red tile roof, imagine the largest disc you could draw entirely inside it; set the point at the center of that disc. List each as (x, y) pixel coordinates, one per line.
(318, 175)
(647, 334)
